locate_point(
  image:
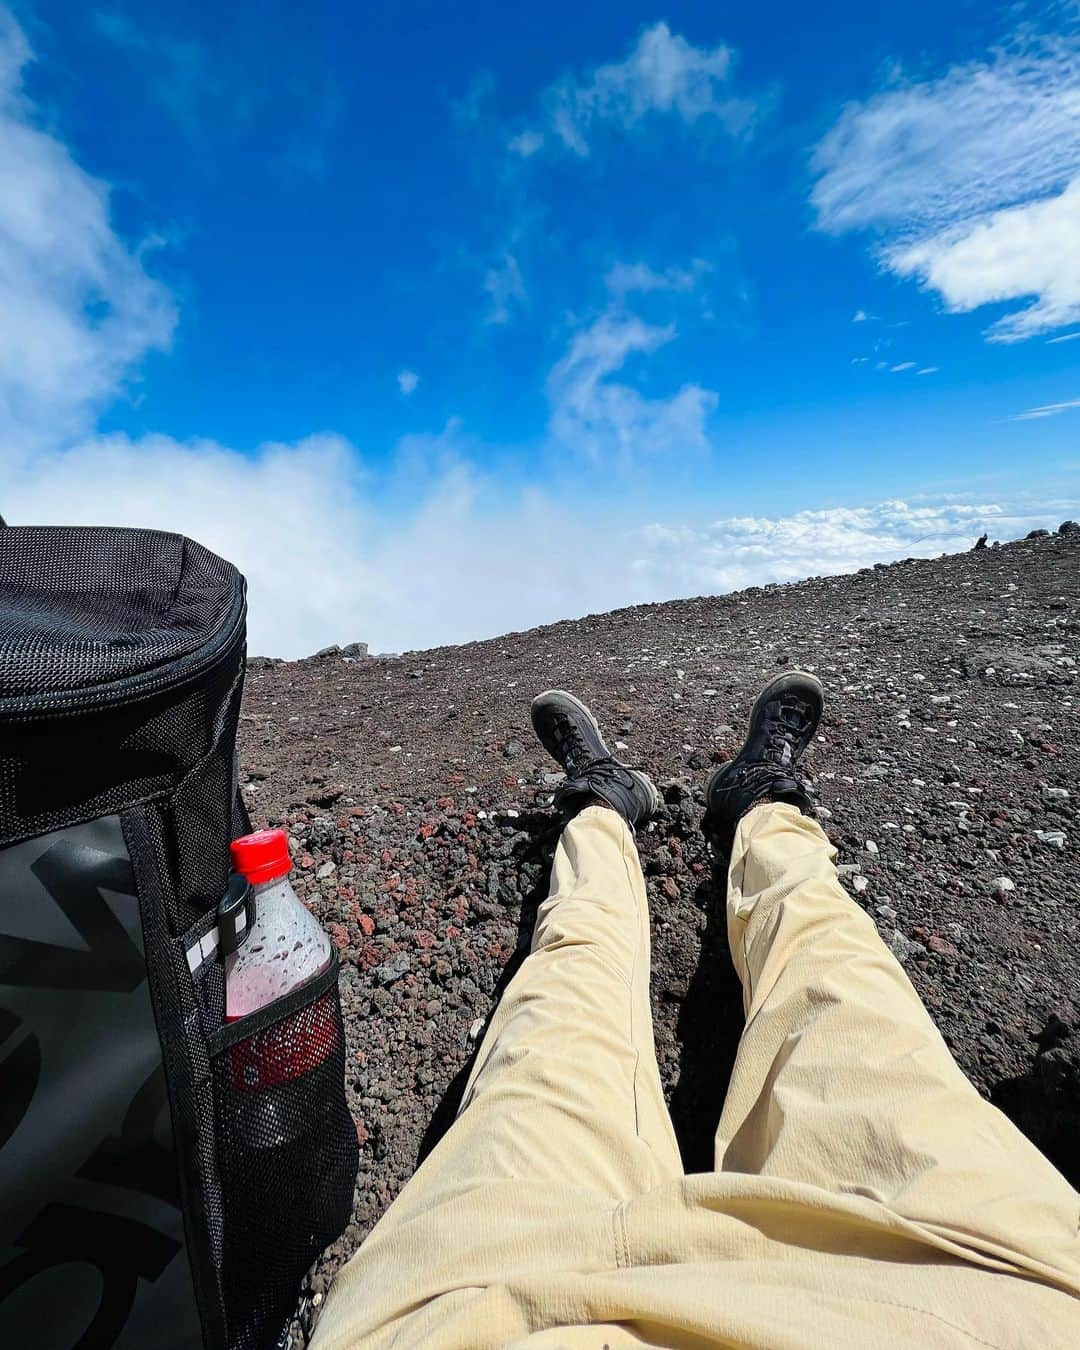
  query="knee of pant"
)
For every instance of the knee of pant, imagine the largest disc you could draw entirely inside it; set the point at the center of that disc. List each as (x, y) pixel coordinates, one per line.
(580, 957)
(618, 931)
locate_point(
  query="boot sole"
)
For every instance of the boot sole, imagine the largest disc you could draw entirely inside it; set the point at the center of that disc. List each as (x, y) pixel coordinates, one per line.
(779, 684)
(655, 799)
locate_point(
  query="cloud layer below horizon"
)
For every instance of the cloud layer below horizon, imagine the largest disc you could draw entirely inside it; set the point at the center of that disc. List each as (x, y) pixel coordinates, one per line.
(325, 565)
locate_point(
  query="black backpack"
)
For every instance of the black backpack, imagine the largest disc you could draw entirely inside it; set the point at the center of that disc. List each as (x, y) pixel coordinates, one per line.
(153, 1190)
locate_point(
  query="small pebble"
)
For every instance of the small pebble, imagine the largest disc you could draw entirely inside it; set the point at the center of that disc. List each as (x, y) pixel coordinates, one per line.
(1056, 838)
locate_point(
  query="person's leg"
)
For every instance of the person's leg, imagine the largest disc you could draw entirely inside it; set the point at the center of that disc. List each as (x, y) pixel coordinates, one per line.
(565, 1087)
(562, 1119)
(842, 1080)
(567, 1075)
(566, 1082)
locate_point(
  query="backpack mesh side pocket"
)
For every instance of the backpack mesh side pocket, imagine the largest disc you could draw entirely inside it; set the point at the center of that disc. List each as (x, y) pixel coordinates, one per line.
(287, 1153)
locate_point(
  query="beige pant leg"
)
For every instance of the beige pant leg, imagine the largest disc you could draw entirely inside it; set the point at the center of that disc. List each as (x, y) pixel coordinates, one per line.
(843, 1081)
(567, 1077)
(562, 1119)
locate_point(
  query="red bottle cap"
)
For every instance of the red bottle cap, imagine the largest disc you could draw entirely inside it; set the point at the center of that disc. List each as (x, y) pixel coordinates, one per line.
(261, 856)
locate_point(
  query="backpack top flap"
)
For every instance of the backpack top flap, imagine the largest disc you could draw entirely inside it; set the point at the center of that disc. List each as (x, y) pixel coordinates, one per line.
(120, 649)
(92, 613)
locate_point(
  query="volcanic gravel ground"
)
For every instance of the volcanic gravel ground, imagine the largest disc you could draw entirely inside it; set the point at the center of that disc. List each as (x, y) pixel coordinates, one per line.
(948, 772)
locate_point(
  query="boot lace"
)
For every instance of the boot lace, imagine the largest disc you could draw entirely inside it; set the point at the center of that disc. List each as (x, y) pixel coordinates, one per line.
(784, 728)
(573, 750)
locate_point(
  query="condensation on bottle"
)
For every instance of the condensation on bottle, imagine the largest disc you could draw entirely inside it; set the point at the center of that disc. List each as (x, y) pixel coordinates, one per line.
(286, 945)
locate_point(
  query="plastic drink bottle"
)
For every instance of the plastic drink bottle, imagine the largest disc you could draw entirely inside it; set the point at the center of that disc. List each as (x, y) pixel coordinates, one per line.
(285, 945)
(284, 948)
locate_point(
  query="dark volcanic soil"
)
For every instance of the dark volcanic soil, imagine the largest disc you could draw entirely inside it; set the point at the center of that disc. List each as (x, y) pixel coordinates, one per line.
(948, 770)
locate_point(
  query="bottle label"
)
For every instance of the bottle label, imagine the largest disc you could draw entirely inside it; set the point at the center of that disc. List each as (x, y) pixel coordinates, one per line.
(285, 1050)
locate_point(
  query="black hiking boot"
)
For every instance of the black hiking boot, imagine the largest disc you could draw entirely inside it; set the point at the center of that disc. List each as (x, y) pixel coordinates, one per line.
(782, 724)
(569, 733)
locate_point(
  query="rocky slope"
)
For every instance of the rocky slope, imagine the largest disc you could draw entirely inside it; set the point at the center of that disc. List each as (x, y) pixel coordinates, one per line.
(948, 772)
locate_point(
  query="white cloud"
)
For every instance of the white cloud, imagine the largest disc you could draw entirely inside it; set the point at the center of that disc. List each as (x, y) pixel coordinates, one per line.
(927, 370)
(526, 144)
(902, 365)
(15, 54)
(752, 550)
(603, 418)
(629, 278)
(1065, 337)
(1031, 250)
(79, 308)
(860, 316)
(1047, 410)
(326, 563)
(972, 180)
(662, 75)
(297, 536)
(506, 287)
(984, 135)
(407, 381)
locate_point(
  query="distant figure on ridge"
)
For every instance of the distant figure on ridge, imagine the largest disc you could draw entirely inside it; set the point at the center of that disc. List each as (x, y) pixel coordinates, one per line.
(863, 1193)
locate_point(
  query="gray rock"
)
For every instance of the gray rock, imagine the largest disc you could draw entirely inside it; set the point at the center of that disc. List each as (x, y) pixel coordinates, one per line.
(393, 969)
(326, 870)
(1055, 794)
(1056, 838)
(355, 651)
(321, 832)
(879, 771)
(900, 946)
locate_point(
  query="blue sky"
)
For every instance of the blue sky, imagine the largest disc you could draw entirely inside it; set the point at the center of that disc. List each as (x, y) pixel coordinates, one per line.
(448, 321)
